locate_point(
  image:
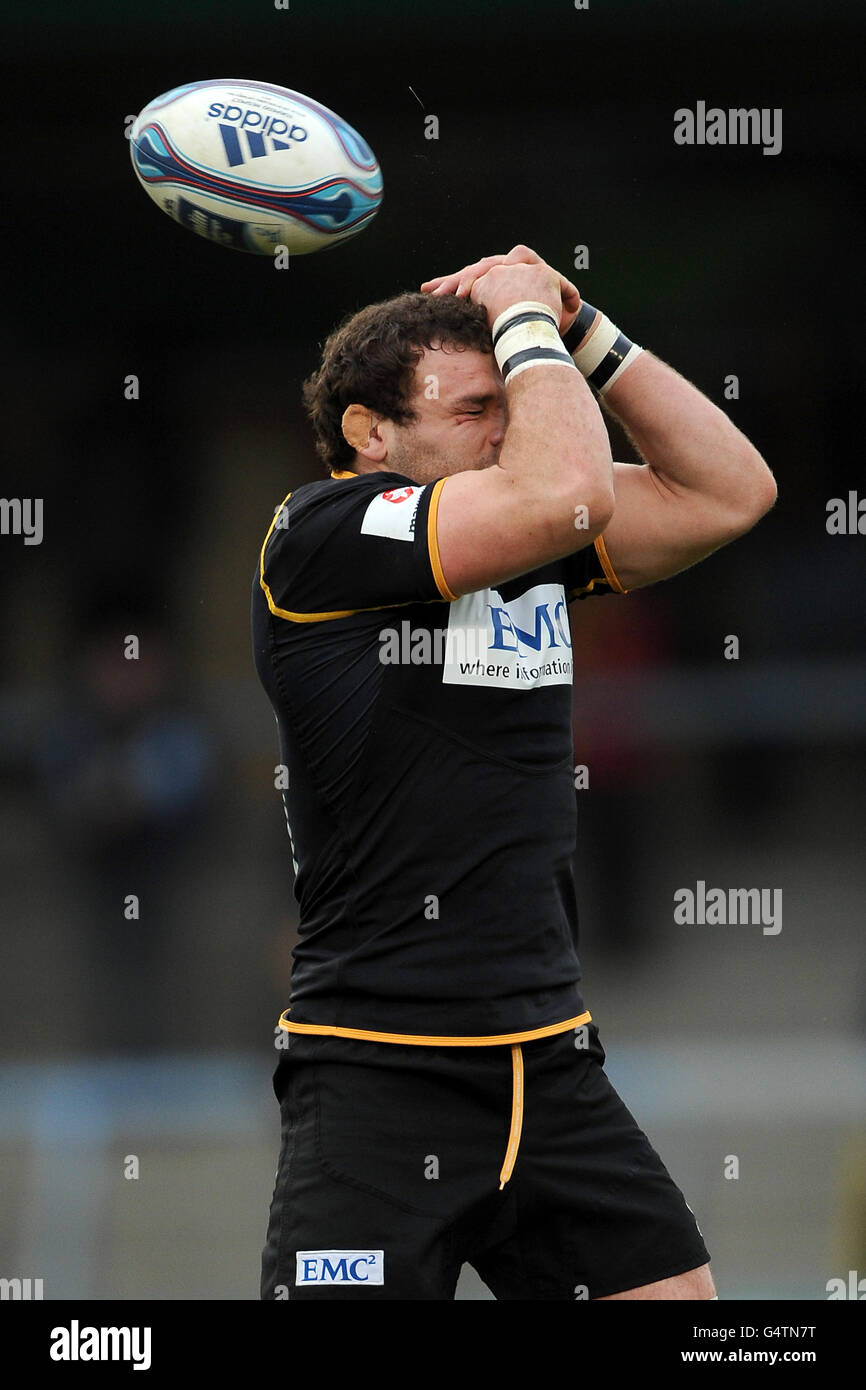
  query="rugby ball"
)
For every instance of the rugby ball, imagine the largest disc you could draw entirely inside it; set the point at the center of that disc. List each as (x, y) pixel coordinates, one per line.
(255, 167)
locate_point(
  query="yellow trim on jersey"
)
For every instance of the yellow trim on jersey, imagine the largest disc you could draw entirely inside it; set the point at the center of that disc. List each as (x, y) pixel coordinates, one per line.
(586, 588)
(433, 543)
(284, 612)
(265, 588)
(516, 1116)
(610, 573)
(423, 1040)
(493, 1040)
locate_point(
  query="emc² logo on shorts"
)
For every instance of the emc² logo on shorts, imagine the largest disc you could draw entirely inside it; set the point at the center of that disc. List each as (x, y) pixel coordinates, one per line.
(339, 1267)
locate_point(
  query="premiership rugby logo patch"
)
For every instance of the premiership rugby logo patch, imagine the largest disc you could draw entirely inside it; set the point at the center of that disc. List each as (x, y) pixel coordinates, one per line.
(392, 514)
(339, 1267)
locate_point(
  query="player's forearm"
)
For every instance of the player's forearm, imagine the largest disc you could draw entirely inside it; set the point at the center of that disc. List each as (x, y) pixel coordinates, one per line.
(556, 443)
(688, 441)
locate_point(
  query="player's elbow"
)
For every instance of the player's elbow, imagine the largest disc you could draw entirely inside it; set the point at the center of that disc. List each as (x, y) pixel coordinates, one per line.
(757, 493)
(764, 491)
(586, 506)
(602, 508)
(769, 492)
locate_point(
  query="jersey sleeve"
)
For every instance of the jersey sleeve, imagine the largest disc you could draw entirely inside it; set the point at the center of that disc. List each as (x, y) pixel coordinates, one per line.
(351, 543)
(590, 572)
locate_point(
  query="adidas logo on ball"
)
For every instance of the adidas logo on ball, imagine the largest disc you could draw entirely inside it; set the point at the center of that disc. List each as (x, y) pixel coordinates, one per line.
(255, 143)
(255, 126)
(254, 120)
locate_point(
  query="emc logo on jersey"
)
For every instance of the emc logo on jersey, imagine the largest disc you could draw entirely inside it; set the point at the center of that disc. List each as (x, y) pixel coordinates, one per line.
(339, 1267)
(547, 627)
(525, 640)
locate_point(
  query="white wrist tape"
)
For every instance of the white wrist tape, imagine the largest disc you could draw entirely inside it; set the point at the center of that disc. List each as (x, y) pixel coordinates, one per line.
(606, 356)
(527, 335)
(633, 352)
(593, 354)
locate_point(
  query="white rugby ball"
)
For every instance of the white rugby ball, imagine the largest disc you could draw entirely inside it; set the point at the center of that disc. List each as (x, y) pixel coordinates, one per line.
(254, 167)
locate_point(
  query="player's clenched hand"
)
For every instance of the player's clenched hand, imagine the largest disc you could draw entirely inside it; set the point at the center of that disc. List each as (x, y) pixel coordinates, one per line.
(506, 284)
(460, 283)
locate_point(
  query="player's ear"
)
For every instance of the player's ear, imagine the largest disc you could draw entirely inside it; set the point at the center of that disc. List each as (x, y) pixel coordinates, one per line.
(359, 429)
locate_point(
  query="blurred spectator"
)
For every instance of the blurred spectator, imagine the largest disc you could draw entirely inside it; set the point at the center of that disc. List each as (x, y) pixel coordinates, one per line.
(125, 766)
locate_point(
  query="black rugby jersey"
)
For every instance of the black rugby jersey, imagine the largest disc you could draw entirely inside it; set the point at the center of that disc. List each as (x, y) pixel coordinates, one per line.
(428, 746)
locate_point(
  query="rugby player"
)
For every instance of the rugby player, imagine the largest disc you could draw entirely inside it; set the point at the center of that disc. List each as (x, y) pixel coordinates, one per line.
(443, 1095)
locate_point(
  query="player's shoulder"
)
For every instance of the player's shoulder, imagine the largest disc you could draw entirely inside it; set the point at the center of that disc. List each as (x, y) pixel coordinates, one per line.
(339, 508)
(311, 510)
(350, 542)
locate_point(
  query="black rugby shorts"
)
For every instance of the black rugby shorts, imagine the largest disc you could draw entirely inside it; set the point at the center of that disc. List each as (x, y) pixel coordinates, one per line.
(392, 1158)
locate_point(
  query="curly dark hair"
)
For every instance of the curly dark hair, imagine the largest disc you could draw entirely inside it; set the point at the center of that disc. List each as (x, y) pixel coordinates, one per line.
(370, 358)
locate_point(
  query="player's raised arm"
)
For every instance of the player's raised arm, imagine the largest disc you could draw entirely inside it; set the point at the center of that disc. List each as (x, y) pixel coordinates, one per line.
(702, 483)
(505, 520)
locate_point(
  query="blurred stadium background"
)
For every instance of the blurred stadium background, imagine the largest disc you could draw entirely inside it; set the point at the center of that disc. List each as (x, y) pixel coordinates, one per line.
(155, 1037)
